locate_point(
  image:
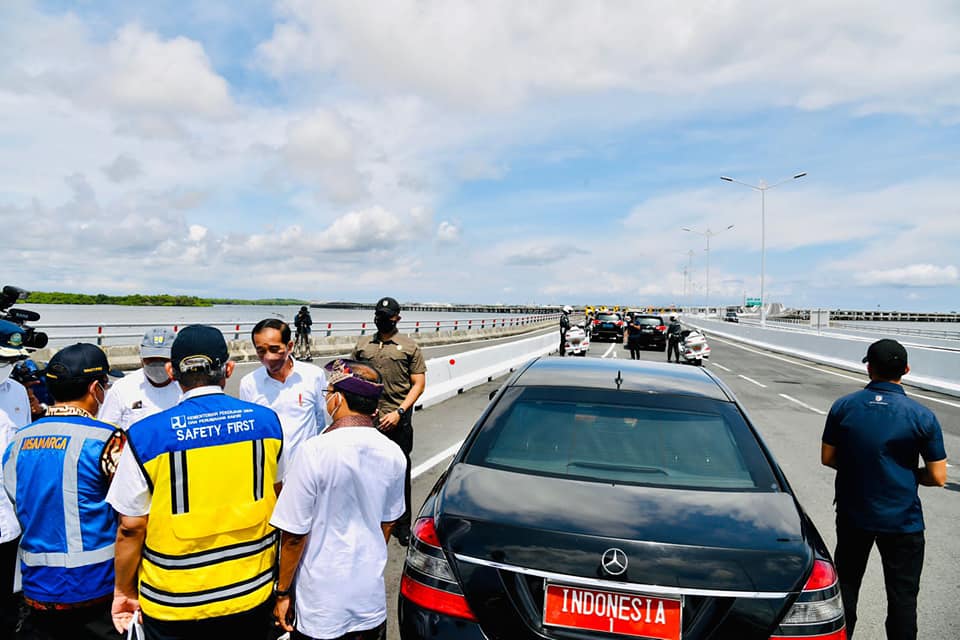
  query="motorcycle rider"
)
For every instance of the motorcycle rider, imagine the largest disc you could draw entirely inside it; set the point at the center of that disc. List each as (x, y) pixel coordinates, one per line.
(674, 338)
(564, 327)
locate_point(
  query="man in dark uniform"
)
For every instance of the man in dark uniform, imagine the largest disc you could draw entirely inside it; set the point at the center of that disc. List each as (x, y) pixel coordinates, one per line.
(674, 338)
(874, 438)
(401, 364)
(564, 327)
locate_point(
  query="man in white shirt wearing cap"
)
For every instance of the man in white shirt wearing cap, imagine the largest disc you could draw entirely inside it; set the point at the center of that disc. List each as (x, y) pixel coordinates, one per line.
(148, 390)
(335, 512)
(293, 389)
(14, 413)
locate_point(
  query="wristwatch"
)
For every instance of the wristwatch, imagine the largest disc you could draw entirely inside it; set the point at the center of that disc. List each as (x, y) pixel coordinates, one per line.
(401, 411)
(281, 593)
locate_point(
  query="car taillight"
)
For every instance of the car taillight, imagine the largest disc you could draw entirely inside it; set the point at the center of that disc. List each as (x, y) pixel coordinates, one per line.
(619, 323)
(818, 612)
(428, 580)
(595, 321)
(661, 328)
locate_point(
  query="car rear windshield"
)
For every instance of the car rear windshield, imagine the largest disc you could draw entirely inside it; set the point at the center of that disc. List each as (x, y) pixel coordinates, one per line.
(623, 437)
(608, 317)
(652, 321)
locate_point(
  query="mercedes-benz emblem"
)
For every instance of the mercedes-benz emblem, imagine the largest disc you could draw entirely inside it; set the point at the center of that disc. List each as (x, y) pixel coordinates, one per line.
(614, 561)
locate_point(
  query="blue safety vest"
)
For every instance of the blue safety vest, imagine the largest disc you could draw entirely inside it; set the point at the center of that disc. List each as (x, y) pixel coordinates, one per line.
(52, 472)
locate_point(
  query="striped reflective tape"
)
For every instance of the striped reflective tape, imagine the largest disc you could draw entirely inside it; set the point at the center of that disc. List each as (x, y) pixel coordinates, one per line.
(179, 498)
(67, 560)
(197, 598)
(206, 558)
(259, 459)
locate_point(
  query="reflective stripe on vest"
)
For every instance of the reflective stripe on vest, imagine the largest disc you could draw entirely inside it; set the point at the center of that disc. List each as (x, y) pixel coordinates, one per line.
(206, 558)
(67, 560)
(197, 598)
(259, 457)
(179, 497)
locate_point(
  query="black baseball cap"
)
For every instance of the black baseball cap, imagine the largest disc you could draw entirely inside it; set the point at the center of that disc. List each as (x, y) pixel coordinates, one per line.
(387, 307)
(79, 362)
(198, 347)
(886, 352)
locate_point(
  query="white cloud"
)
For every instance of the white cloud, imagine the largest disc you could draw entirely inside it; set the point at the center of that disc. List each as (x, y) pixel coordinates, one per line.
(146, 73)
(914, 275)
(197, 233)
(448, 232)
(812, 55)
(320, 148)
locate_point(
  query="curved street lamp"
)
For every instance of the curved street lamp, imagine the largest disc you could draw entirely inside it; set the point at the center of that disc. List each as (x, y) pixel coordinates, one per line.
(763, 187)
(708, 234)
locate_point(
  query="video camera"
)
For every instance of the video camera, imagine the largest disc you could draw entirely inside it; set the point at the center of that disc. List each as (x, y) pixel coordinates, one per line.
(32, 339)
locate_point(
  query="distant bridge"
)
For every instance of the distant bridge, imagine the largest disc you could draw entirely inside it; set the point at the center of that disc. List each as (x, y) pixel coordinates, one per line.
(436, 306)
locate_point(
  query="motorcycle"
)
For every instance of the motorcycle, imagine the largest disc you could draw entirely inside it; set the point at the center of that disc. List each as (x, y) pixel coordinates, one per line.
(694, 347)
(577, 341)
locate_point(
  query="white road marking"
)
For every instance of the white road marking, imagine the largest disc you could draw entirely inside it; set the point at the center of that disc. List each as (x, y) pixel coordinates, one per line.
(759, 384)
(435, 460)
(609, 350)
(803, 404)
(827, 371)
(720, 366)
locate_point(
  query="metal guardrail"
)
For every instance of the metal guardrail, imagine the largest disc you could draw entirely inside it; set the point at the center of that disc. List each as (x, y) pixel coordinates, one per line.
(104, 331)
(795, 324)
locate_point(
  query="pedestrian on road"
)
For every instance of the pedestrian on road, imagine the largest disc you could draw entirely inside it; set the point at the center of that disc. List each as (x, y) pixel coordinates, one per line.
(674, 338)
(631, 336)
(303, 324)
(56, 472)
(335, 513)
(15, 412)
(400, 362)
(564, 327)
(293, 389)
(147, 390)
(874, 438)
(195, 488)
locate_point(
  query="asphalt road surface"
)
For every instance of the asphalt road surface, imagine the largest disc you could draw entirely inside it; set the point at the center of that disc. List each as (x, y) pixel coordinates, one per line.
(787, 399)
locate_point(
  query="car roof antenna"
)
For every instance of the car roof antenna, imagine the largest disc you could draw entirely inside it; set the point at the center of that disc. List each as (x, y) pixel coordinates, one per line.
(618, 380)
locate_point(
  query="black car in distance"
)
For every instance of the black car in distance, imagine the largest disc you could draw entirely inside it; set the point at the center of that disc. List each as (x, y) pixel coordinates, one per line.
(601, 499)
(653, 332)
(607, 325)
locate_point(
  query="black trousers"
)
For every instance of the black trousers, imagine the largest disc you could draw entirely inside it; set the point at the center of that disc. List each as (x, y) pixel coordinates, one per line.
(86, 623)
(673, 348)
(403, 436)
(253, 625)
(378, 633)
(9, 601)
(563, 342)
(901, 555)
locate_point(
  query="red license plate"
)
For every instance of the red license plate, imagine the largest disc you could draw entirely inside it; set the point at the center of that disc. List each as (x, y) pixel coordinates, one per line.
(629, 614)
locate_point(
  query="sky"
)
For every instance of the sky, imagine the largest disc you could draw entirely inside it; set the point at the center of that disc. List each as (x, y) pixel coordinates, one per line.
(542, 152)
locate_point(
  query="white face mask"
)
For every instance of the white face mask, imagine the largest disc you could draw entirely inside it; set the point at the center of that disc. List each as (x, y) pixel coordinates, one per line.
(156, 373)
(6, 368)
(327, 415)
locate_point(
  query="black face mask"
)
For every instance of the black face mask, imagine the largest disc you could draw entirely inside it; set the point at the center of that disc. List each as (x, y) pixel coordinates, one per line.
(384, 324)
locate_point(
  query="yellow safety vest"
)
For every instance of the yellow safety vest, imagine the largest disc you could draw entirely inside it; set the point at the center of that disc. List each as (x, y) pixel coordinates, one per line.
(209, 549)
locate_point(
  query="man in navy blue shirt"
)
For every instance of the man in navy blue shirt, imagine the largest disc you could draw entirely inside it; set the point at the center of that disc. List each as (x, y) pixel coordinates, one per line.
(874, 439)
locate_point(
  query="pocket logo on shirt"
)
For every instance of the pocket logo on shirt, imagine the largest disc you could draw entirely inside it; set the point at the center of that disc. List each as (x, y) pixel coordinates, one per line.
(178, 422)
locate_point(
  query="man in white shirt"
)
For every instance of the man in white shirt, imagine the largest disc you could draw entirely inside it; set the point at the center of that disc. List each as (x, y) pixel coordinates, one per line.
(293, 389)
(335, 512)
(148, 390)
(14, 413)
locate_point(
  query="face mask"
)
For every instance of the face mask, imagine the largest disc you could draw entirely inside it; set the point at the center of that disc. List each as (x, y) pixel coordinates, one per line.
(156, 373)
(6, 368)
(103, 397)
(384, 324)
(327, 414)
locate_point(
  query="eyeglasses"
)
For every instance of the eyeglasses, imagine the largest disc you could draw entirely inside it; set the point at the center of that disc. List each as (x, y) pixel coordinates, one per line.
(327, 392)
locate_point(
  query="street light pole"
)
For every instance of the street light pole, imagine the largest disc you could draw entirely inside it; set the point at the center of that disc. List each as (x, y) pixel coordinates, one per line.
(708, 234)
(763, 187)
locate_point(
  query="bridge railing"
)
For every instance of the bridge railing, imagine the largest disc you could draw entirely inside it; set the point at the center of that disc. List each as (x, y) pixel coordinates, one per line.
(106, 333)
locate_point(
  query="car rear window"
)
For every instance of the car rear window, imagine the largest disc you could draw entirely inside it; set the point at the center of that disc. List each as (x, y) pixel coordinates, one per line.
(608, 317)
(649, 320)
(627, 438)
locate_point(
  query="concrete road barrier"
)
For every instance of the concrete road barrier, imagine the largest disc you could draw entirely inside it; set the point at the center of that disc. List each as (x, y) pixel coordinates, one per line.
(451, 375)
(932, 368)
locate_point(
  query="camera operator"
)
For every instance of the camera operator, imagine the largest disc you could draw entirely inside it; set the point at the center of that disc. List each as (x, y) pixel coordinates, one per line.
(14, 413)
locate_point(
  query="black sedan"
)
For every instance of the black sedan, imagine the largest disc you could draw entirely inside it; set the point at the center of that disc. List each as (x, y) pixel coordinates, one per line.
(601, 498)
(607, 325)
(648, 331)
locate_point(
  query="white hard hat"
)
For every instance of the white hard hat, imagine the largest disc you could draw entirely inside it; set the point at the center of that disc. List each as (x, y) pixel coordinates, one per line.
(567, 308)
